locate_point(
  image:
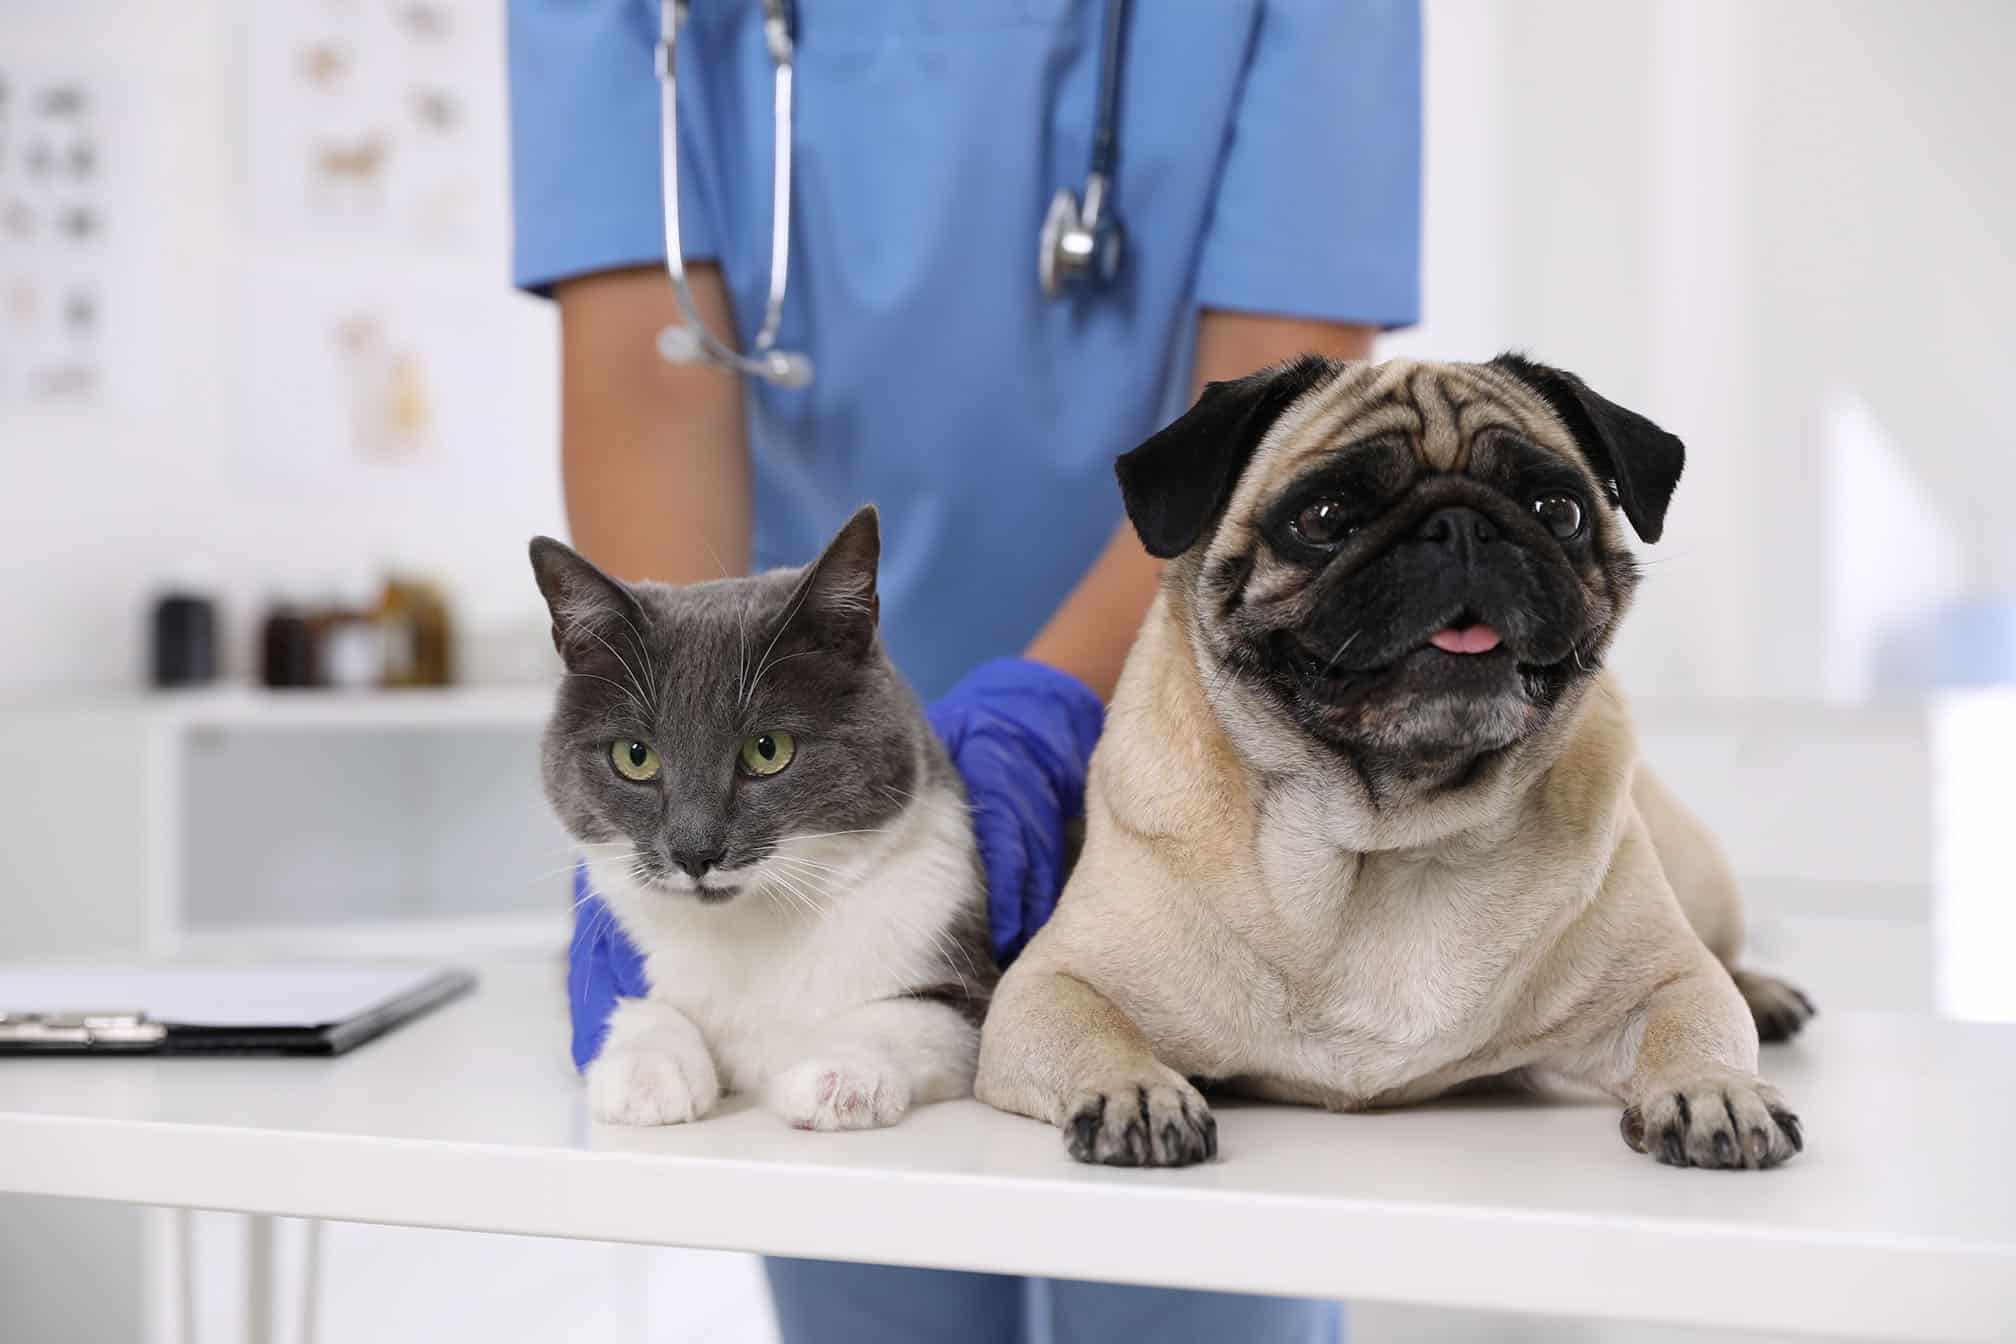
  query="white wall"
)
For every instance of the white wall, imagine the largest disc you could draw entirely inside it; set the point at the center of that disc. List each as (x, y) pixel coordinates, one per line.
(1728, 215)
(102, 502)
(1719, 212)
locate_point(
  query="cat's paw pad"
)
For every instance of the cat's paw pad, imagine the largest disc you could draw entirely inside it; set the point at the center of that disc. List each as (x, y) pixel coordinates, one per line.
(1147, 1123)
(840, 1094)
(652, 1087)
(1723, 1120)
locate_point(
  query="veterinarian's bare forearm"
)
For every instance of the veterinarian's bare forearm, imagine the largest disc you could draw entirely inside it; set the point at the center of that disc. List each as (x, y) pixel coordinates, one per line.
(1090, 634)
(654, 457)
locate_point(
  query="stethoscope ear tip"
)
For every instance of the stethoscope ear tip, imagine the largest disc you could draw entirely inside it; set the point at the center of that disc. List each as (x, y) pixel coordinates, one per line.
(680, 344)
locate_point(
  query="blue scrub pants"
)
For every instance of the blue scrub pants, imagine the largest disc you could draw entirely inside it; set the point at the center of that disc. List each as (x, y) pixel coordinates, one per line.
(823, 1302)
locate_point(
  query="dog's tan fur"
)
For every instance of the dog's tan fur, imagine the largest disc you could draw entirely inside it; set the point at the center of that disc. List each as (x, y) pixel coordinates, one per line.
(1242, 914)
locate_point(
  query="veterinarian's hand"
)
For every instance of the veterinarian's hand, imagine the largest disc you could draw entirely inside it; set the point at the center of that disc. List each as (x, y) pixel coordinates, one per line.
(1022, 734)
(602, 967)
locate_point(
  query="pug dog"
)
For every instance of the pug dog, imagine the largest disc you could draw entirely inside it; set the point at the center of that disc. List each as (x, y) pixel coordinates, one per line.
(1368, 825)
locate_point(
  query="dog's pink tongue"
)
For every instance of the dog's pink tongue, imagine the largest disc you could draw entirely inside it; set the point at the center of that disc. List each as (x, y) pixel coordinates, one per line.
(1470, 639)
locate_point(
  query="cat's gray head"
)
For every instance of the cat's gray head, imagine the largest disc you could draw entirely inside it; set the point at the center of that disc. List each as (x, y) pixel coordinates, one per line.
(700, 728)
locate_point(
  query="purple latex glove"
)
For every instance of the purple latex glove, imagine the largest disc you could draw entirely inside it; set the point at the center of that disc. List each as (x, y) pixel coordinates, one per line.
(1020, 733)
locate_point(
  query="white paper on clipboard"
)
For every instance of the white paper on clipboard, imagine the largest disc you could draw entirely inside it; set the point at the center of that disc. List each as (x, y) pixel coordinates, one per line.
(266, 994)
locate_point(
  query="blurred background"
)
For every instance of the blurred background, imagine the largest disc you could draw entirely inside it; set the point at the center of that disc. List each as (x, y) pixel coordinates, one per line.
(271, 415)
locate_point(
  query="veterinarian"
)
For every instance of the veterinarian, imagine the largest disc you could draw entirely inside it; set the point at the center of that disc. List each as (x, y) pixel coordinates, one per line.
(1018, 236)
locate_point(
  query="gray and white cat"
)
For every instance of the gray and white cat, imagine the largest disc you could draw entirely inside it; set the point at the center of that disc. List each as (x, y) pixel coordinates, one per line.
(769, 817)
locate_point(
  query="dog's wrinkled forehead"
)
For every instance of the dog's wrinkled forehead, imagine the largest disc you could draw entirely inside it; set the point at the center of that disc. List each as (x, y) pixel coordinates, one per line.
(1207, 471)
(1446, 415)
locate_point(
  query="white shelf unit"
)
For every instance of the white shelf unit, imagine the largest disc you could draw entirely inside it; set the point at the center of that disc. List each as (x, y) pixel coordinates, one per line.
(241, 819)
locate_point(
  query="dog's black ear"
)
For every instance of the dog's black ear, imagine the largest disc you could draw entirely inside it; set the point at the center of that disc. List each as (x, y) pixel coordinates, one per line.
(1641, 460)
(1176, 483)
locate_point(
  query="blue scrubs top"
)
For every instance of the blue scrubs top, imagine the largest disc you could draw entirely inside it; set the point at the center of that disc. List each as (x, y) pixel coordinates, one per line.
(1269, 162)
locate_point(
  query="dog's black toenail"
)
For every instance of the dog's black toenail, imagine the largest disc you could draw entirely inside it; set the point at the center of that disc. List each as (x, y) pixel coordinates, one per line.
(1674, 1151)
(1725, 1148)
(1083, 1131)
(1790, 1124)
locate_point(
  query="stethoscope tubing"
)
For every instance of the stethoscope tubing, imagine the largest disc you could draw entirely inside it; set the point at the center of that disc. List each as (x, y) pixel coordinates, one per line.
(692, 342)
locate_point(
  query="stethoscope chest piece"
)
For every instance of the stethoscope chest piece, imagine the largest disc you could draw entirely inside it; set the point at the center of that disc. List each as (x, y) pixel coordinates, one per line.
(1088, 241)
(1075, 243)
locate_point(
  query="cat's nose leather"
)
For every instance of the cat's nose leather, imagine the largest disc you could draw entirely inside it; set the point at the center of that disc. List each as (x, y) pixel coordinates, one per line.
(696, 865)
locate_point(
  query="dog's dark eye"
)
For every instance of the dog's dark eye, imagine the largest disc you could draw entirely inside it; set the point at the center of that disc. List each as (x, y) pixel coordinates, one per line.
(1560, 514)
(1321, 522)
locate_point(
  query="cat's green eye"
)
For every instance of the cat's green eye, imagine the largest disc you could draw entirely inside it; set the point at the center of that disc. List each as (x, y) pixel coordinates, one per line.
(767, 753)
(634, 760)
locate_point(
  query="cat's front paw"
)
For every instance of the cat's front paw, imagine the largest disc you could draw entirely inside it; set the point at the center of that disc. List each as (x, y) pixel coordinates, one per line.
(841, 1094)
(652, 1086)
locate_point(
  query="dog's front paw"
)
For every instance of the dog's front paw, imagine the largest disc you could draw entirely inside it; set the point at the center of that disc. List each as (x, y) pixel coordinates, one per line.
(1156, 1122)
(841, 1094)
(1719, 1120)
(663, 1086)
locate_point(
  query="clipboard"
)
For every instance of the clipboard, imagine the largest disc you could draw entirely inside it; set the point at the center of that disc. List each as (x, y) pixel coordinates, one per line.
(266, 1008)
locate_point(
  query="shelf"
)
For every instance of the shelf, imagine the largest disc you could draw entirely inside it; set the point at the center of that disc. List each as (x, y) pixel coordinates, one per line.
(365, 712)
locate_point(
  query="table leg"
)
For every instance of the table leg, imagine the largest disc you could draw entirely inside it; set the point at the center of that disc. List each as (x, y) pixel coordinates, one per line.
(259, 1274)
(311, 1276)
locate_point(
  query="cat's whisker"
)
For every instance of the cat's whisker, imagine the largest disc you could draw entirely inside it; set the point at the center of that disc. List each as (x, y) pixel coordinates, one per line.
(804, 591)
(779, 857)
(642, 708)
(629, 671)
(741, 642)
(804, 897)
(644, 653)
(779, 663)
(548, 875)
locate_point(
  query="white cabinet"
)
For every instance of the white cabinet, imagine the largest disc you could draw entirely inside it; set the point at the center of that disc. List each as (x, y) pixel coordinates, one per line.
(231, 819)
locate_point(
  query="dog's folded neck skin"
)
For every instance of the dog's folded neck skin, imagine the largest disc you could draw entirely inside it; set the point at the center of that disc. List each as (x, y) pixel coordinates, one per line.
(1403, 577)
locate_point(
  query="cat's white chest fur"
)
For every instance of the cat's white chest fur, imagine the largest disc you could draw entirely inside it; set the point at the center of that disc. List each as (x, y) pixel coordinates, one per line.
(805, 985)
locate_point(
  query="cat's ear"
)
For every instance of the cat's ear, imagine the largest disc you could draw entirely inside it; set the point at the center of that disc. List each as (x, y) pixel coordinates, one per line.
(593, 614)
(835, 604)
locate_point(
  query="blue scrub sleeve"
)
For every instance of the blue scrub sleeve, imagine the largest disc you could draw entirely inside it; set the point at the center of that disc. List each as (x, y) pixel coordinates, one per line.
(1318, 209)
(585, 170)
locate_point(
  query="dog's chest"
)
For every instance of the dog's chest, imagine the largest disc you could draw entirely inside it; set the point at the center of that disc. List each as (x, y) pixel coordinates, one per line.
(1388, 968)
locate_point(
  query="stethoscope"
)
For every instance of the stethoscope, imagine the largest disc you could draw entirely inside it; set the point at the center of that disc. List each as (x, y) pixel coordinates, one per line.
(1076, 241)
